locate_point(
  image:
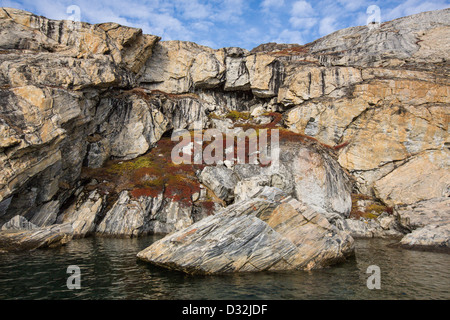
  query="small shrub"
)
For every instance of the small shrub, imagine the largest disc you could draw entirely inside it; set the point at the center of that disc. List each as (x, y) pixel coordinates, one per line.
(207, 207)
(236, 115)
(120, 167)
(372, 211)
(213, 115)
(144, 192)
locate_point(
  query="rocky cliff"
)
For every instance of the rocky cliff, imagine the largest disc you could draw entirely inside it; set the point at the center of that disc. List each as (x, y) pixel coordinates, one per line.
(87, 112)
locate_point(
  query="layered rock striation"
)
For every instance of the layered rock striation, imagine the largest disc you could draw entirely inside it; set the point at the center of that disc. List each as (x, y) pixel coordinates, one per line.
(364, 111)
(268, 232)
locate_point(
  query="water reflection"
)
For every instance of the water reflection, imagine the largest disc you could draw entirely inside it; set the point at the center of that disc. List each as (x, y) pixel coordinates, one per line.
(110, 270)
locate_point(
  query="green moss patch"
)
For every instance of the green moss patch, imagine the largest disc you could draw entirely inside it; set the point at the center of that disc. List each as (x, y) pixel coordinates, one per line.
(371, 211)
(236, 115)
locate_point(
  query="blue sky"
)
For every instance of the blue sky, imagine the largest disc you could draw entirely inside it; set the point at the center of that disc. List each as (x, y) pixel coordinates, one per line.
(225, 23)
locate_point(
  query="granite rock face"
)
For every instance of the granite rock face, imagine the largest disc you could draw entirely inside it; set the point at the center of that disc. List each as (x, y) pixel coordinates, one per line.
(271, 231)
(67, 103)
(52, 76)
(142, 125)
(83, 214)
(385, 105)
(75, 95)
(145, 215)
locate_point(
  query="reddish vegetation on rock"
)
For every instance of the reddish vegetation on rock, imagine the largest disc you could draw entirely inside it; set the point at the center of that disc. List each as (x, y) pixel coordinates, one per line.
(149, 175)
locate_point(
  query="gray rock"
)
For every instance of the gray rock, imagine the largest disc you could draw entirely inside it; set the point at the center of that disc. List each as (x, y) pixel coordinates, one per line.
(51, 236)
(46, 215)
(271, 231)
(172, 216)
(126, 217)
(247, 188)
(306, 171)
(430, 222)
(131, 127)
(361, 45)
(238, 77)
(83, 214)
(4, 206)
(146, 215)
(423, 213)
(18, 223)
(98, 153)
(221, 180)
(432, 237)
(319, 180)
(369, 228)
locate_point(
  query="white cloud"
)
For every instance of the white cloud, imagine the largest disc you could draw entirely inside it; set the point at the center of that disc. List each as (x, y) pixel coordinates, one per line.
(303, 16)
(353, 5)
(361, 19)
(327, 26)
(303, 23)
(289, 36)
(192, 9)
(268, 5)
(302, 9)
(229, 11)
(410, 7)
(202, 26)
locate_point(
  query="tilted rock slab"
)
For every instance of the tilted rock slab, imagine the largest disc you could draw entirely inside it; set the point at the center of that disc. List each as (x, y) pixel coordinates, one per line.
(271, 231)
(432, 237)
(51, 236)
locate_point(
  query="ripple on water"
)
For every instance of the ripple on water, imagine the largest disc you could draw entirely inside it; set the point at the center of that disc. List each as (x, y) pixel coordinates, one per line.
(110, 270)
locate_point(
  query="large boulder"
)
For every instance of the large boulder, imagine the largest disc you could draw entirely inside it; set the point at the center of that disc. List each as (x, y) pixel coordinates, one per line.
(132, 125)
(382, 227)
(306, 170)
(271, 231)
(221, 180)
